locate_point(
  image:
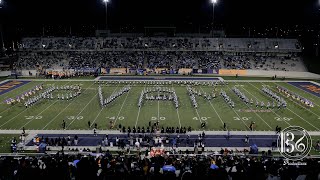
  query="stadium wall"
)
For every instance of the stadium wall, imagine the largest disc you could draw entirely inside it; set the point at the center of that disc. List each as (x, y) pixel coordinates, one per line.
(262, 73)
(26, 72)
(286, 74)
(182, 71)
(231, 72)
(118, 71)
(5, 73)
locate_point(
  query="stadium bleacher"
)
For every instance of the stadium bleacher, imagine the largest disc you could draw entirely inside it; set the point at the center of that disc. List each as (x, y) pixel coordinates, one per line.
(197, 53)
(114, 90)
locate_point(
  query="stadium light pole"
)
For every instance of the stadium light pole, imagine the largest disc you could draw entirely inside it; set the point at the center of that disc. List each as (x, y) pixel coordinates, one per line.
(106, 4)
(214, 2)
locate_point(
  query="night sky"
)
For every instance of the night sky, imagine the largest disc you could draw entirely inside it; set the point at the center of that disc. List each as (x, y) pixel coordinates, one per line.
(160, 12)
(21, 18)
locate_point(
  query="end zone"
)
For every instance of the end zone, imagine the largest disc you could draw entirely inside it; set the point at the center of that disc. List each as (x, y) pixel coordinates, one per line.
(309, 87)
(10, 85)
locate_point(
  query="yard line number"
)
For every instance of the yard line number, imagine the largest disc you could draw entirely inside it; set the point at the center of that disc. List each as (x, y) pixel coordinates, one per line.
(32, 117)
(114, 118)
(241, 118)
(283, 118)
(160, 118)
(200, 118)
(75, 117)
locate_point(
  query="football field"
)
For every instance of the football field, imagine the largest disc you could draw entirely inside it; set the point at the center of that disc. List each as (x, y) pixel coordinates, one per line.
(48, 114)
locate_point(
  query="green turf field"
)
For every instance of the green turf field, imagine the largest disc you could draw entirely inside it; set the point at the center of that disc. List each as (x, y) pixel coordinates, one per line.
(5, 142)
(48, 114)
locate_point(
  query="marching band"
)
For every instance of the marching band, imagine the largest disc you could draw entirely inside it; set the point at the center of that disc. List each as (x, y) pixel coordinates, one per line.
(280, 101)
(168, 94)
(34, 95)
(296, 97)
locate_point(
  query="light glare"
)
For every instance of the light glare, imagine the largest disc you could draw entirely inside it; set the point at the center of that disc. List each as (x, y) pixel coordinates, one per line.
(105, 1)
(214, 1)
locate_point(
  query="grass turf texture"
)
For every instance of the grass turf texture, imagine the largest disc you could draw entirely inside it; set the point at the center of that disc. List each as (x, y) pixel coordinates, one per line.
(5, 142)
(48, 114)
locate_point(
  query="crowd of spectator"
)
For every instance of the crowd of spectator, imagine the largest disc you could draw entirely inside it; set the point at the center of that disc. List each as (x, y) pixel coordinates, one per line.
(84, 163)
(184, 166)
(152, 60)
(159, 43)
(176, 53)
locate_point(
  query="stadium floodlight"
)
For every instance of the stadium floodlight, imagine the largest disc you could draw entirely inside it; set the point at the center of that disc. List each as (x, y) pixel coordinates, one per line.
(214, 1)
(106, 3)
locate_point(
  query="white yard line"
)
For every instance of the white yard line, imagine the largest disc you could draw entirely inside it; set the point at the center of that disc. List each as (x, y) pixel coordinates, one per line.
(179, 117)
(62, 110)
(177, 109)
(237, 113)
(13, 118)
(56, 116)
(38, 114)
(214, 109)
(102, 108)
(267, 96)
(122, 106)
(4, 81)
(17, 115)
(42, 111)
(198, 115)
(137, 117)
(96, 117)
(139, 110)
(300, 116)
(300, 104)
(116, 132)
(81, 110)
(13, 105)
(306, 93)
(304, 119)
(258, 115)
(8, 109)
